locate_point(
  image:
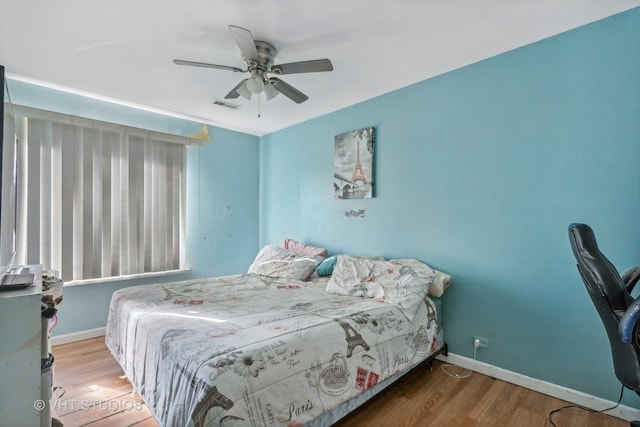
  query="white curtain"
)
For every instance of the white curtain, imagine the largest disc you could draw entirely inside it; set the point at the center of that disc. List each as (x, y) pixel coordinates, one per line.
(98, 200)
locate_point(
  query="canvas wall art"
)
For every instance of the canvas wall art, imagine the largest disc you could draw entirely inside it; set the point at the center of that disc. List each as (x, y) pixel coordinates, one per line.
(353, 164)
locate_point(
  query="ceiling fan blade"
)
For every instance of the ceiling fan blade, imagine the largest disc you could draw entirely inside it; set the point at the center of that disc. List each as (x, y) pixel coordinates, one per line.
(246, 43)
(303, 67)
(239, 90)
(205, 65)
(288, 90)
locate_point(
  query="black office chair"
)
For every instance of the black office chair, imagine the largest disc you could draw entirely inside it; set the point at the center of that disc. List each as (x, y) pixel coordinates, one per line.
(611, 296)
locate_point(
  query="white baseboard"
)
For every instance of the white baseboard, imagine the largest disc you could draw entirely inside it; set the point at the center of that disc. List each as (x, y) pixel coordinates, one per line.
(550, 389)
(77, 336)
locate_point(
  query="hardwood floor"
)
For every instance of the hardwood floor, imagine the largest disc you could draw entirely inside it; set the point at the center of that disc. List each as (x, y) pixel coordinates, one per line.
(96, 393)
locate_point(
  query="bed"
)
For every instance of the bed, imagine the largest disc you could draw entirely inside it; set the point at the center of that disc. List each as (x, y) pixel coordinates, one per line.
(275, 347)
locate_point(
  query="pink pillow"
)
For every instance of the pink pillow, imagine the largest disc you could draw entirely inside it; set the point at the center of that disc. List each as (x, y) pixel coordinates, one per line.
(301, 248)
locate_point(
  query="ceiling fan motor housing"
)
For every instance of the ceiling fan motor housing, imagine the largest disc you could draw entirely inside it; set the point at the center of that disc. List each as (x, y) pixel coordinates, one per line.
(266, 52)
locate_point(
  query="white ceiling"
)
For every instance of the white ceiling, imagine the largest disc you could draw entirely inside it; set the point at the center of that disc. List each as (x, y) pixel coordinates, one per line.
(122, 50)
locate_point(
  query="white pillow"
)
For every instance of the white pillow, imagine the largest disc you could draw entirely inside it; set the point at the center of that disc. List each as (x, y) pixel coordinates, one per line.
(438, 285)
(403, 283)
(273, 261)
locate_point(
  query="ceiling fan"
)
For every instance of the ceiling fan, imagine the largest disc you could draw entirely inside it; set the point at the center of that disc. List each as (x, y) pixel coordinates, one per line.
(258, 58)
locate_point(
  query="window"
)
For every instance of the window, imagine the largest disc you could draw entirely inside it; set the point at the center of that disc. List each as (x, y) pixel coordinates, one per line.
(98, 200)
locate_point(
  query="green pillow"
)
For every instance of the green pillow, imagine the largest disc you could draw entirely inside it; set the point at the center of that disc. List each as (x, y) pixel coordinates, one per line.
(326, 267)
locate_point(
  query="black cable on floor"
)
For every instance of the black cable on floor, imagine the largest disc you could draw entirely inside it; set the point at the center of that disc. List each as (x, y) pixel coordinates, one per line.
(585, 409)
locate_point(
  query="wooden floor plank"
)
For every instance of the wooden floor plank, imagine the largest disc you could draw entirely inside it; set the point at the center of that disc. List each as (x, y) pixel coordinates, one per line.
(147, 422)
(97, 394)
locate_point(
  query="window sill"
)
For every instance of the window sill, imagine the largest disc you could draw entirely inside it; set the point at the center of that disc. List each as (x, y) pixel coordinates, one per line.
(125, 278)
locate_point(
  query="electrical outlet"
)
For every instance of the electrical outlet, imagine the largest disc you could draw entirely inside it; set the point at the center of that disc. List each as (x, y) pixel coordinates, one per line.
(483, 342)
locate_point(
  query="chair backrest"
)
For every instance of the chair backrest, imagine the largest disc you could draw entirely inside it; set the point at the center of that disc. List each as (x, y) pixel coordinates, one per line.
(610, 298)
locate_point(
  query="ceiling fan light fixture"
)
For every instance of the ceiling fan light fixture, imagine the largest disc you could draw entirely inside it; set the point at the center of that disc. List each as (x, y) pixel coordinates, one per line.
(244, 91)
(255, 83)
(270, 92)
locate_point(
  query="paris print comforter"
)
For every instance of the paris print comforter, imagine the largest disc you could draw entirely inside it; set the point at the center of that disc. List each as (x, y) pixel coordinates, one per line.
(248, 350)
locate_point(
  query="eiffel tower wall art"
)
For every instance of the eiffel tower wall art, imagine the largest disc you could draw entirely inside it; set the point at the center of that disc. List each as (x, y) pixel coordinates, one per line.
(353, 164)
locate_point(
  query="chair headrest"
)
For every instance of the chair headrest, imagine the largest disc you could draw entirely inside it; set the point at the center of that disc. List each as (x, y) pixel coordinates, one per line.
(600, 276)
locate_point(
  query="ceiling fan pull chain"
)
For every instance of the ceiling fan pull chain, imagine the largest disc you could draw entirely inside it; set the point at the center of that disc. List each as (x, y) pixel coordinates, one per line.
(259, 98)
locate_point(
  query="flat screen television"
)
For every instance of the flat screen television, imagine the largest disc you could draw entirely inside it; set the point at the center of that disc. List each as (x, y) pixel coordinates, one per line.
(8, 187)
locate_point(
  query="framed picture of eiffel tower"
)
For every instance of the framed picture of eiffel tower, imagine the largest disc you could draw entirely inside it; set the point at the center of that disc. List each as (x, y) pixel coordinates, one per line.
(353, 164)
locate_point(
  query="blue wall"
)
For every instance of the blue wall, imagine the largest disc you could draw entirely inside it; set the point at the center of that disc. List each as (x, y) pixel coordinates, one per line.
(478, 173)
(222, 199)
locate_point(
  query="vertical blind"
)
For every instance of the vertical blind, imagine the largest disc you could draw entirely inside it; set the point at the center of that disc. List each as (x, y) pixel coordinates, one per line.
(98, 200)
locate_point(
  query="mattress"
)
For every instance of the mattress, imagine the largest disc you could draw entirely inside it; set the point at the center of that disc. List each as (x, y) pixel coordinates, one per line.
(248, 350)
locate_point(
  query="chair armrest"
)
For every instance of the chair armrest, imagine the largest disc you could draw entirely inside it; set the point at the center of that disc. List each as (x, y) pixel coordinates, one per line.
(630, 278)
(628, 322)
